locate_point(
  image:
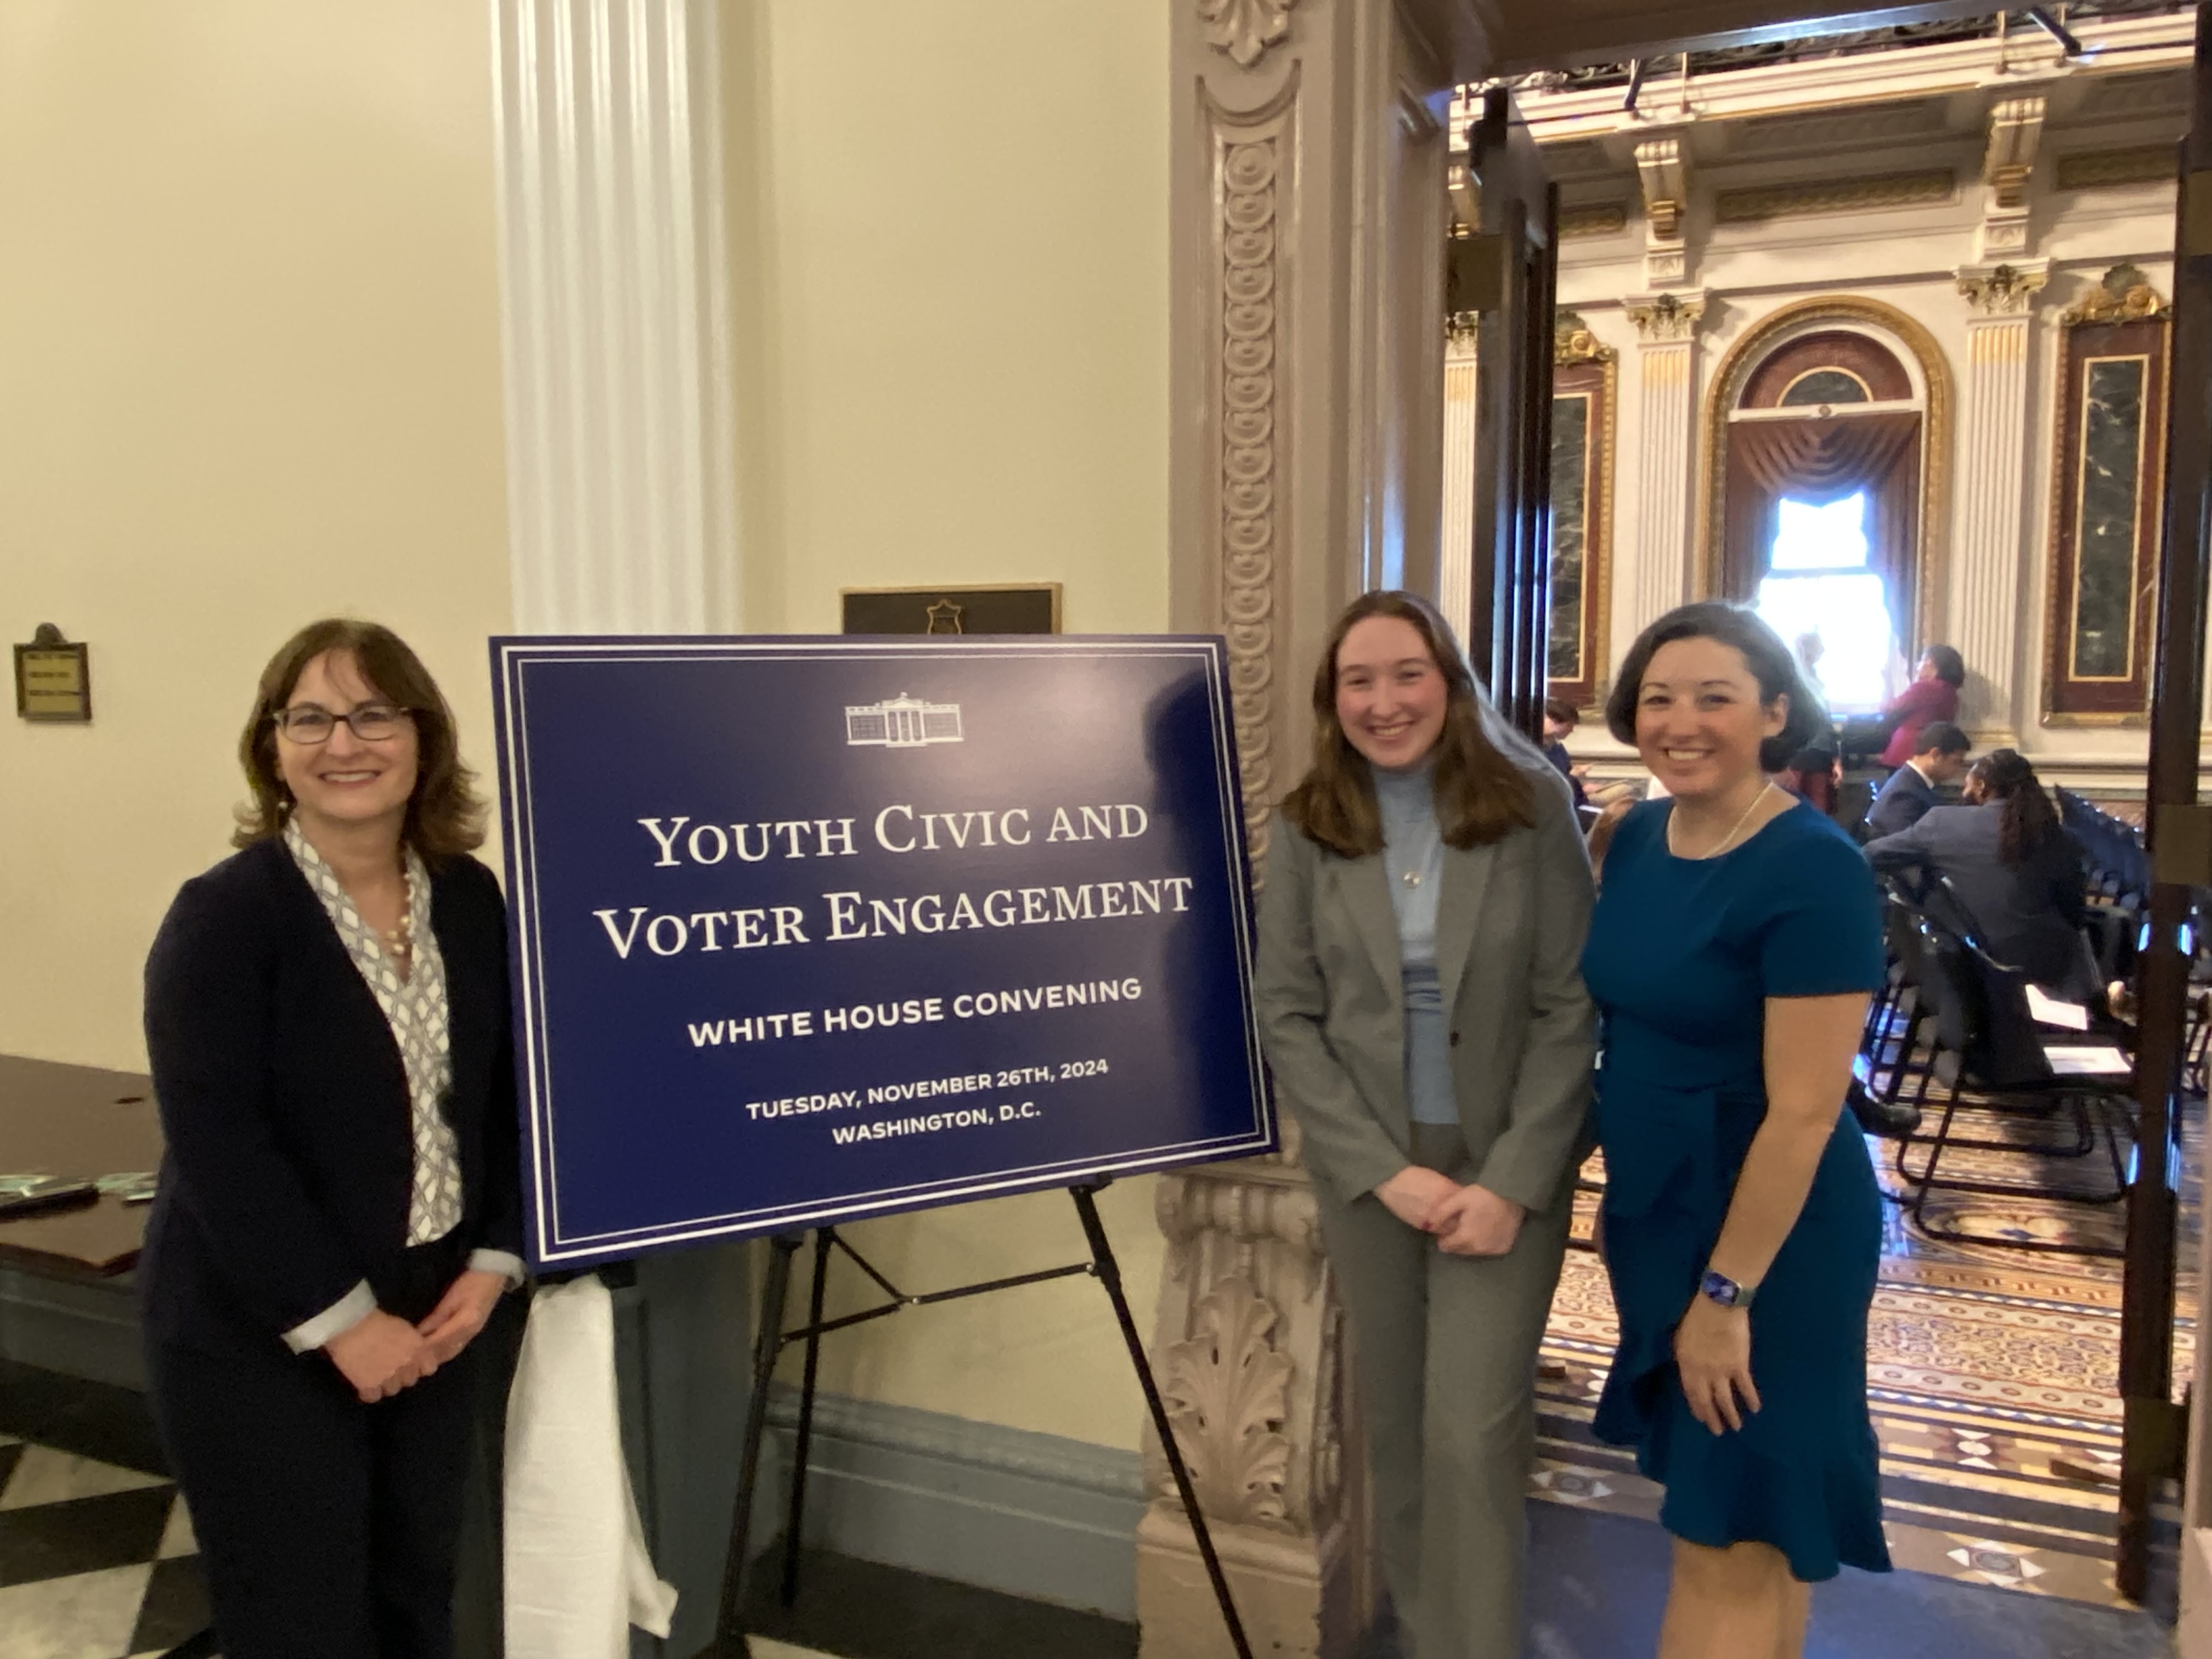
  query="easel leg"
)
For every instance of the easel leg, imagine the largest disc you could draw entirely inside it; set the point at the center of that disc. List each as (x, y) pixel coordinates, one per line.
(794, 1530)
(1110, 1275)
(766, 1347)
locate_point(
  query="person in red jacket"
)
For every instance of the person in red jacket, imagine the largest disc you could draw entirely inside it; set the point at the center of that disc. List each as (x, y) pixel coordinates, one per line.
(1933, 696)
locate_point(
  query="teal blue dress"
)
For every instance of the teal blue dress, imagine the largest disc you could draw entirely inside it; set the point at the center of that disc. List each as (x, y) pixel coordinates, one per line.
(1682, 955)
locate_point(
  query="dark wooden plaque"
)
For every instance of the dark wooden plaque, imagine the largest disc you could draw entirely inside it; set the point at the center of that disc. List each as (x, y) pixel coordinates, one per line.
(1024, 608)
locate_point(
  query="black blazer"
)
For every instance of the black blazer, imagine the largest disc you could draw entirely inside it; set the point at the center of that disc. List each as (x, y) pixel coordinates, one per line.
(283, 1100)
(1903, 801)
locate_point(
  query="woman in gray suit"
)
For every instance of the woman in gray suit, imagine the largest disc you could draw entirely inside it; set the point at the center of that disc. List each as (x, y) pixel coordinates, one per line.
(1423, 1008)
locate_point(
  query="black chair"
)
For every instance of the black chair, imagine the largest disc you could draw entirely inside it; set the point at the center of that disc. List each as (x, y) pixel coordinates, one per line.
(1987, 1045)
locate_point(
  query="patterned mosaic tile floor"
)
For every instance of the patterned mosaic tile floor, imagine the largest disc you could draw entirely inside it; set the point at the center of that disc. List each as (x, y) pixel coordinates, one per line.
(1992, 1372)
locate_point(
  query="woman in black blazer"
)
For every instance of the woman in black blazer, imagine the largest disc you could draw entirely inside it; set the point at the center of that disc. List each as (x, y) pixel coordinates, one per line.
(326, 1015)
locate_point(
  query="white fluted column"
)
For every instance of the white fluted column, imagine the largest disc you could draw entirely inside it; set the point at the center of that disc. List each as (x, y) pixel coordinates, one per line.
(1666, 396)
(1455, 568)
(1987, 595)
(620, 497)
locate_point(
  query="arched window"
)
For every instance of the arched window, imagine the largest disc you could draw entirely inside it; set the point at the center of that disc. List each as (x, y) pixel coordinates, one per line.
(1823, 478)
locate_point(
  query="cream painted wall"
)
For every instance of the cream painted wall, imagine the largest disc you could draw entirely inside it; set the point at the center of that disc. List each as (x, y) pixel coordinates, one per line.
(250, 376)
(949, 237)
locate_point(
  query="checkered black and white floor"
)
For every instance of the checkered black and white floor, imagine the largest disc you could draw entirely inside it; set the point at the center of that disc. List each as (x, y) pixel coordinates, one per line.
(97, 1559)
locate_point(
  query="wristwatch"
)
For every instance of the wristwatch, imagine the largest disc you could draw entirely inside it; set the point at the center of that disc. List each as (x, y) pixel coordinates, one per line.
(1719, 1287)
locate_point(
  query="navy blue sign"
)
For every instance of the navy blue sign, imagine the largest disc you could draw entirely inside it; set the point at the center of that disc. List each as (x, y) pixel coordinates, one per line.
(808, 930)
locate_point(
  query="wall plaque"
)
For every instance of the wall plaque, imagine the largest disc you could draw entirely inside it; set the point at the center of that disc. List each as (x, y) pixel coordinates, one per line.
(1021, 608)
(53, 678)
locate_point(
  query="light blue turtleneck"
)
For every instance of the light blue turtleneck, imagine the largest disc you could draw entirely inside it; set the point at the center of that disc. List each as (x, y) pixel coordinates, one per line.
(1413, 854)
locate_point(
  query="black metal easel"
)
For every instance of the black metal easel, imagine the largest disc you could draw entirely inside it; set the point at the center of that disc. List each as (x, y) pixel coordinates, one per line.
(729, 1638)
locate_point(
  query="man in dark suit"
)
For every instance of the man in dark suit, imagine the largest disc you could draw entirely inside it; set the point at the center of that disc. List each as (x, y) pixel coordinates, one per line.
(1915, 786)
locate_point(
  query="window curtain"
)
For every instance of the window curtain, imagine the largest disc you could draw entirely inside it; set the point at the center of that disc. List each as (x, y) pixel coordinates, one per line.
(1820, 461)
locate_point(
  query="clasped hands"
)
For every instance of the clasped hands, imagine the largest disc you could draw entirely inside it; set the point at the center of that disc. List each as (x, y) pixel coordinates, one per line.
(383, 1353)
(1469, 1220)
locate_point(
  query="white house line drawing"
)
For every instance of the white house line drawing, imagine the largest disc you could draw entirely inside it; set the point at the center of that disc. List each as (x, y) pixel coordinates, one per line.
(903, 722)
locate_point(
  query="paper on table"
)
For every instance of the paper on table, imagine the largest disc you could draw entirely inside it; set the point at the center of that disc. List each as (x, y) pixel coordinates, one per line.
(2049, 1011)
(2087, 1060)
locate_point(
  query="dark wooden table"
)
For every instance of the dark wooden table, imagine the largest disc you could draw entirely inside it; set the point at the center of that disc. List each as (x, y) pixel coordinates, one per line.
(83, 1122)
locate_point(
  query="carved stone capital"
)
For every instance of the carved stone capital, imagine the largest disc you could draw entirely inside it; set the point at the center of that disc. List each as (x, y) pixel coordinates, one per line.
(2004, 290)
(1666, 316)
(1245, 29)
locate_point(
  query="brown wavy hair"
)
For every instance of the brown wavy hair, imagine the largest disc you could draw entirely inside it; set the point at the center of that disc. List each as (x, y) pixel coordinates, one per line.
(1481, 794)
(445, 815)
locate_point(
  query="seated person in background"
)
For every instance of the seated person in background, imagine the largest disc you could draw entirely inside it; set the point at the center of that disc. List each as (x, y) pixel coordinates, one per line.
(1933, 696)
(1561, 717)
(1814, 776)
(2017, 868)
(1912, 788)
(1600, 831)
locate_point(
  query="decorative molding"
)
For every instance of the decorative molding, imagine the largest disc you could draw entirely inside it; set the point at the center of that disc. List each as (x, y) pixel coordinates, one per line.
(1593, 219)
(2123, 295)
(2137, 94)
(2104, 169)
(1245, 29)
(1932, 569)
(1813, 197)
(2004, 290)
(1242, 1323)
(1659, 317)
(1227, 1391)
(1247, 163)
(621, 462)
(1827, 129)
(1573, 343)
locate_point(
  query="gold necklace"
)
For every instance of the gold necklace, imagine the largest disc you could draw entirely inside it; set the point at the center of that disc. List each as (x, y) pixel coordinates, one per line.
(1723, 844)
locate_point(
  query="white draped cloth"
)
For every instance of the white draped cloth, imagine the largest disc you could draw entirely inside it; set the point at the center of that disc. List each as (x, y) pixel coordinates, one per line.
(578, 1575)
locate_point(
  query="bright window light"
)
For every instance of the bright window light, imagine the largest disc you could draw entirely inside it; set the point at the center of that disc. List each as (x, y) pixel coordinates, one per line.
(1818, 585)
(1830, 537)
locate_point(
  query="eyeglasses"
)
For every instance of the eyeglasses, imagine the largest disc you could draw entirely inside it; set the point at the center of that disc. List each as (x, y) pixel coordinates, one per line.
(372, 722)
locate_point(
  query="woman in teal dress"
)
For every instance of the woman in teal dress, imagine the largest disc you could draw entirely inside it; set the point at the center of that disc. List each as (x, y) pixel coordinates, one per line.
(1735, 940)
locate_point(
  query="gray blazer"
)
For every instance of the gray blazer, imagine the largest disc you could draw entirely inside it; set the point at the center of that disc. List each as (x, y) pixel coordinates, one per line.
(1510, 920)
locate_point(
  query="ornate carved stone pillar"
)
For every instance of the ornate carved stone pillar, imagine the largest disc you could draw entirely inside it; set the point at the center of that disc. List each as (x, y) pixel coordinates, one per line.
(1987, 595)
(1309, 205)
(1667, 399)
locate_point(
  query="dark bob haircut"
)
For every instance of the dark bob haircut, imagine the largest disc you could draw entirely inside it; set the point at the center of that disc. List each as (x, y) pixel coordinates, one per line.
(1950, 666)
(1771, 664)
(445, 817)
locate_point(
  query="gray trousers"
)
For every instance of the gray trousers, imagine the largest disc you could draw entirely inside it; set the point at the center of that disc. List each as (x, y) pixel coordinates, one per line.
(1446, 1358)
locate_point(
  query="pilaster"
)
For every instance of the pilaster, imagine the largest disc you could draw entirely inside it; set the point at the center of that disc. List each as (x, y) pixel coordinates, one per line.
(1987, 593)
(1308, 167)
(1456, 584)
(619, 461)
(1666, 396)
